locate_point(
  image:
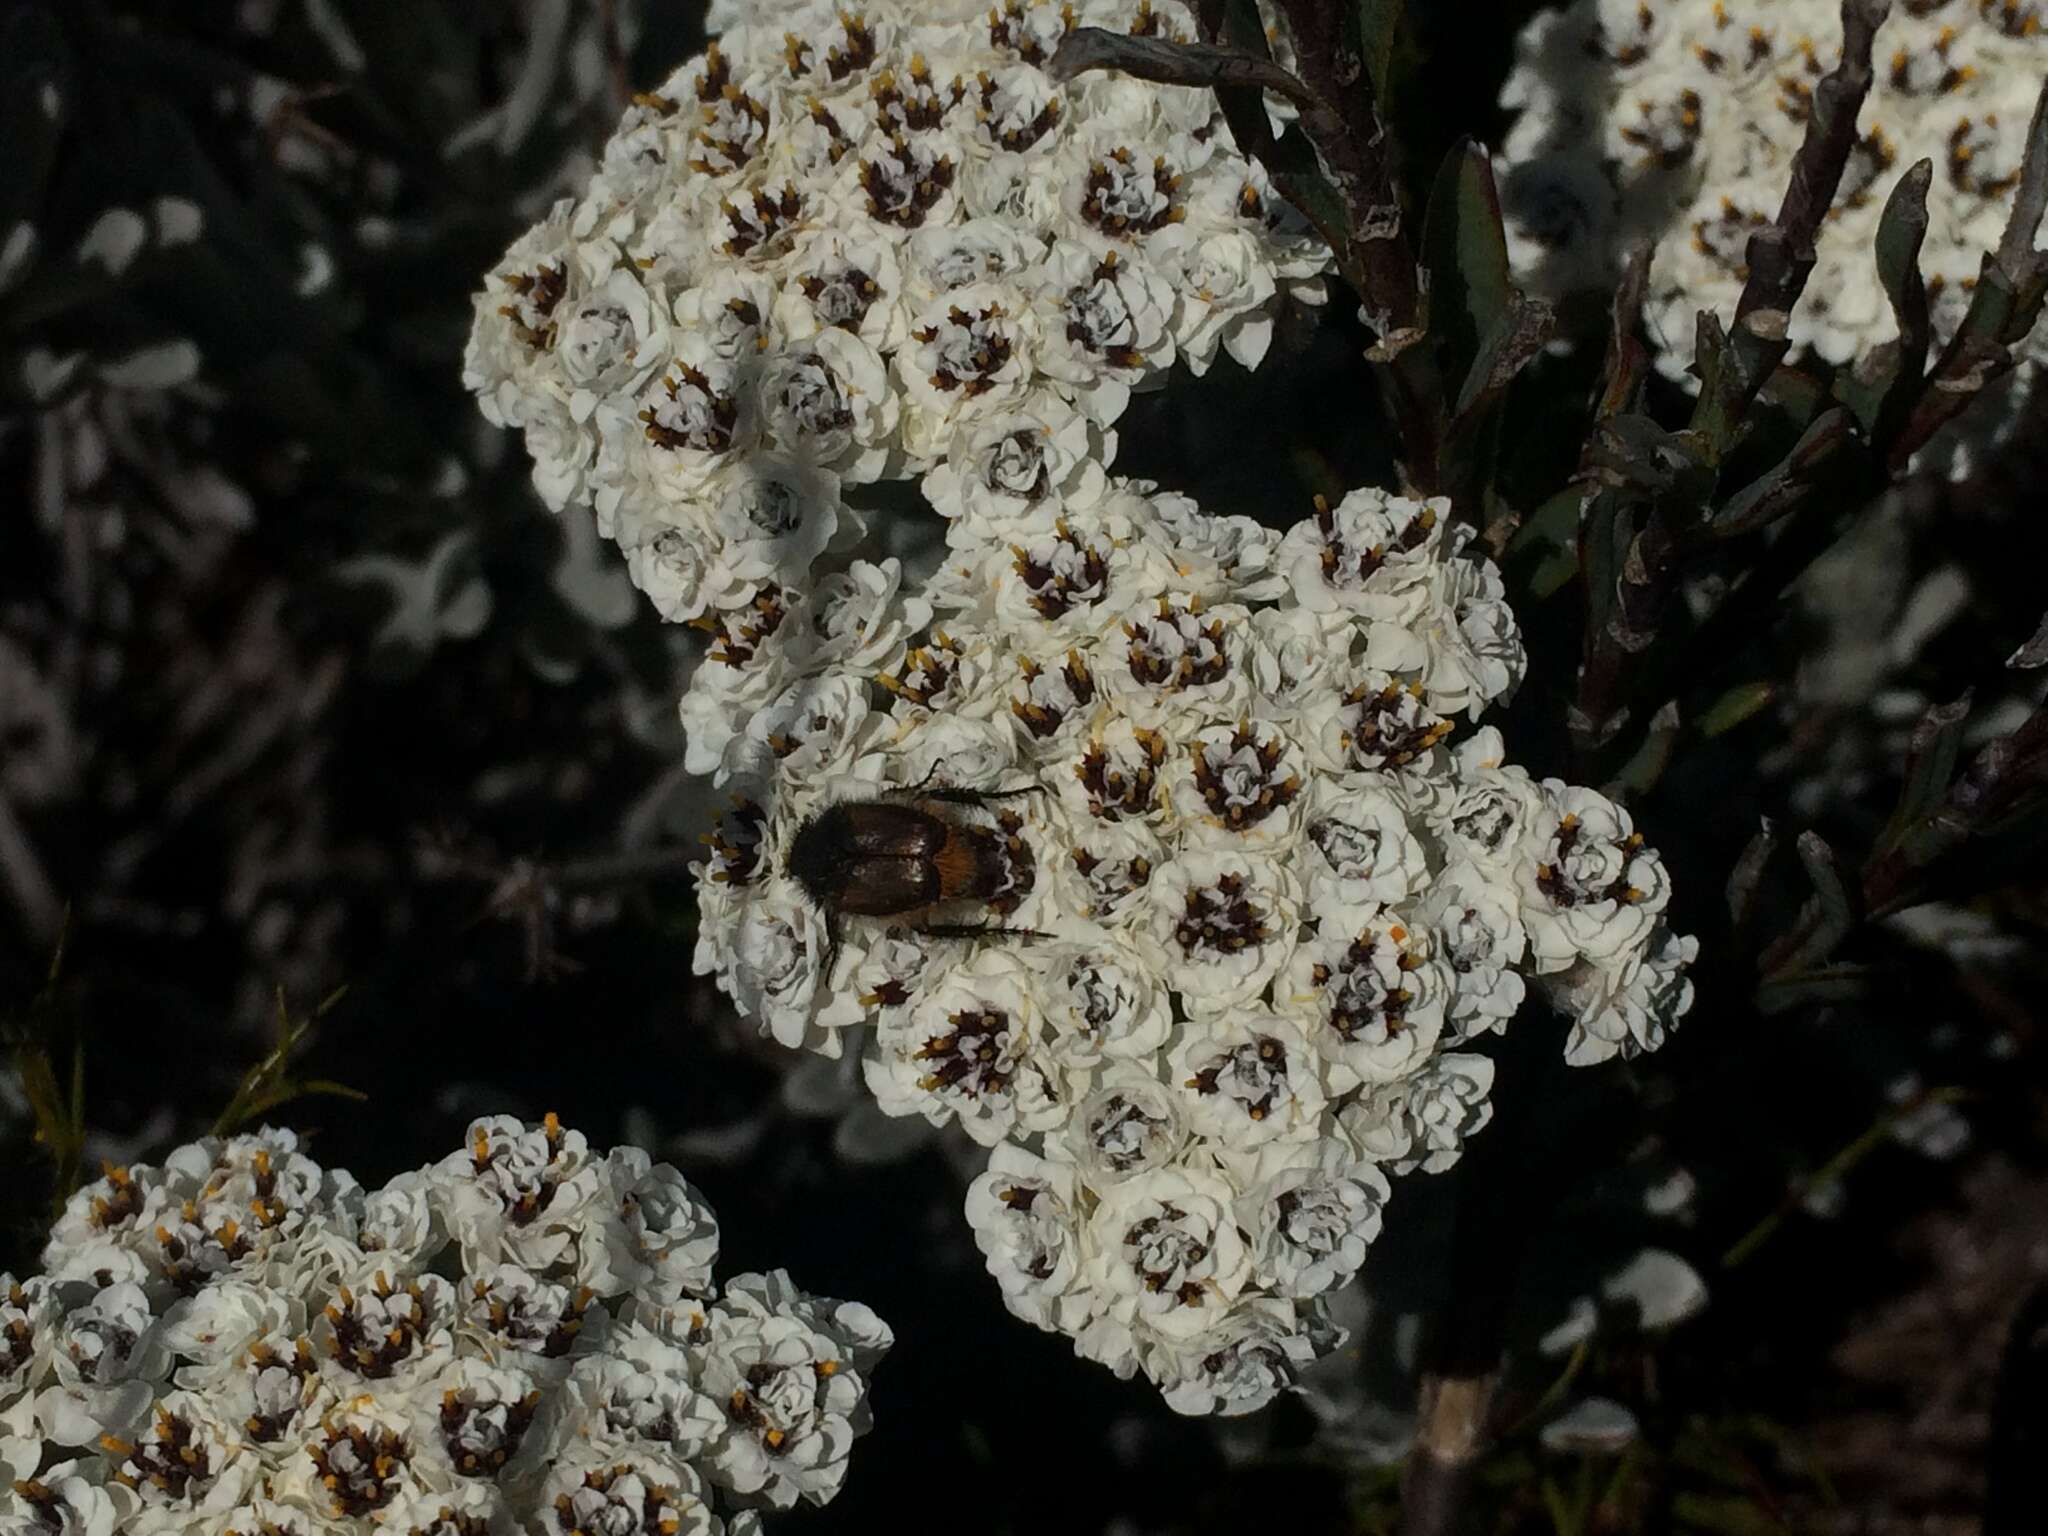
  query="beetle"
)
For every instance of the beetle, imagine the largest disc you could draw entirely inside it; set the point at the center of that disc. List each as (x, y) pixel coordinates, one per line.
(895, 857)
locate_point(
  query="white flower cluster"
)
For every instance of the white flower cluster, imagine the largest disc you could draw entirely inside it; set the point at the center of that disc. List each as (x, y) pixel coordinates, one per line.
(1256, 901)
(850, 243)
(521, 1338)
(1675, 122)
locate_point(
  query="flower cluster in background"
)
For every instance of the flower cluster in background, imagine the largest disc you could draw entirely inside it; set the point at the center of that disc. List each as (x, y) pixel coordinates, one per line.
(1674, 123)
(1255, 897)
(522, 1337)
(848, 244)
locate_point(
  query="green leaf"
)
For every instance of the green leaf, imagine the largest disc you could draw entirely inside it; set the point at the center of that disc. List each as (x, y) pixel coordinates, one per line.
(1747, 876)
(1741, 703)
(1543, 556)
(1789, 482)
(1901, 229)
(1465, 252)
(1380, 29)
(1639, 775)
(1930, 767)
(1832, 984)
(1883, 383)
(1516, 339)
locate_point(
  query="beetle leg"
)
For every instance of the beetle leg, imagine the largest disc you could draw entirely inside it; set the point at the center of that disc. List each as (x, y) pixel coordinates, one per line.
(975, 796)
(977, 931)
(831, 942)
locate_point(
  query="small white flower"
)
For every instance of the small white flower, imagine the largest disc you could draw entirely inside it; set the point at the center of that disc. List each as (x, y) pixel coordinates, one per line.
(844, 279)
(1247, 1078)
(1359, 849)
(399, 1224)
(275, 1390)
(641, 1390)
(1115, 185)
(207, 1331)
(1373, 555)
(695, 418)
(1222, 924)
(1463, 644)
(184, 1466)
(659, 1239)
(826, 400)
(118, 1207)
(609, 341)
(1379, 725)
(380, 1329)
(1024, 1214)
(1593, 888)
(1005, 474)
(1292, 661)
(511, 1315)
(861, 617)
(954, 751)
(1374, 998)
(778, 965)
(774, 516)
(1626, 1004)
(1168, 1258)
(1311, 1218)
(631, 1491)
(519, 1193)
(1480, 937)
(1247, 1360)
(1492, 819)
(1105, 322)
(1239, 786)
(1052, 703)
(812, 729)
(680, 566)
(1423, 1121)
(1224, 283)
(906, 182)
(971, 353)
(1177, 655)
(793, 1398)
(1099, 1003)
(1130, 1124)
(1106, 870)
(965, 1049)
(731, 312)
(941, 260)
(66, 1500)
(107, 1351)
(483, 1413)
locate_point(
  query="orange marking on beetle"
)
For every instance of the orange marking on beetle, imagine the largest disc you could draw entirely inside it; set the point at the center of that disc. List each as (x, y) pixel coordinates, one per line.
(959, 863)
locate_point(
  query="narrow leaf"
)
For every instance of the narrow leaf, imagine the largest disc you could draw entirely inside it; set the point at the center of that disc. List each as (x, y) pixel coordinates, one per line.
(1741, 703)
(1465, 251)
(1930, 767)
(1748, 874)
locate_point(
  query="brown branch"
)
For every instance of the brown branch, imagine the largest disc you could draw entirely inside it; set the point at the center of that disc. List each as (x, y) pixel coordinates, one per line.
(1202, 65)
(1333, 70)
(1375, 257)
(1995, 783)
(1339, 116)
(1734, 369)
(1450, 1434)
(2016, 255)
(1981, 349)
(1998, 777)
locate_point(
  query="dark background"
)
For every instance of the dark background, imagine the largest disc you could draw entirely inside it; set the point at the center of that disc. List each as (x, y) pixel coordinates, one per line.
(229, 777)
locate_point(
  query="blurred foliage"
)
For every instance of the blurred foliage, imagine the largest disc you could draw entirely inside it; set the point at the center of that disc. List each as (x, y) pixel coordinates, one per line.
(300, 687)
